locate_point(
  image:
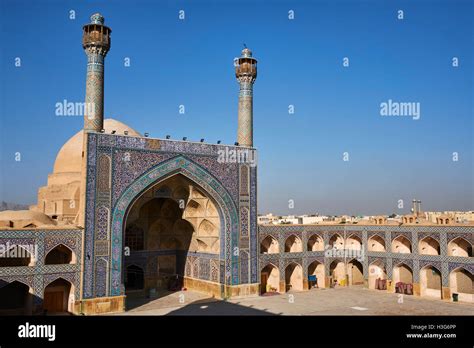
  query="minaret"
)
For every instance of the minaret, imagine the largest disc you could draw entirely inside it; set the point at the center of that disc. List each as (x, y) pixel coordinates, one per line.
(246, 73)
(96, 43)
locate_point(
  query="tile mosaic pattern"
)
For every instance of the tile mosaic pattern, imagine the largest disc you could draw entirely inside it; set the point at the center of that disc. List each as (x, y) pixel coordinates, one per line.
(138, 163)
(40, 275)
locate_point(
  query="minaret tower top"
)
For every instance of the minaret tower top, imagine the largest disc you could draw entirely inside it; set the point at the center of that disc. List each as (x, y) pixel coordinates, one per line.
(96, 35)
(246, 66)
(246, 73)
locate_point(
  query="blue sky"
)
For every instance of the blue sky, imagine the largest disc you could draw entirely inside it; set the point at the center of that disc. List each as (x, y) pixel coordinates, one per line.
(337, 109)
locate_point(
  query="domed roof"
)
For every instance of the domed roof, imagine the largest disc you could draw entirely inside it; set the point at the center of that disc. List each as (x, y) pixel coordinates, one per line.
(69, 158)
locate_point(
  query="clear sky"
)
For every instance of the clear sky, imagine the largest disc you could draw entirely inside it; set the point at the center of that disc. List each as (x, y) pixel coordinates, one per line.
(189, 62)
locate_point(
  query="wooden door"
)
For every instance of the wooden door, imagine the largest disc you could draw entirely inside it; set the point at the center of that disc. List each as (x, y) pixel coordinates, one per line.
(54, 301)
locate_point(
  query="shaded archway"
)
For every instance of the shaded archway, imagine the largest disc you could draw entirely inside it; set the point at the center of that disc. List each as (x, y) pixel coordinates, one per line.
(355, 272)
(293, 277)
(269, 279)
(353, 243)
(428, 246)
(200, 177)
(17, 256)
(401, 245)
(59, 255)
(430, 282)
(134, 279)
(269, 245)
(336, 242)
(459, 247)
(376, 243)
(293, 244)
(15, 298)
(317, 268)
(58, 297)
(402, 273)
(337, 270)
(315, 243)
(171, 221)
(376, 271)
(461, 282)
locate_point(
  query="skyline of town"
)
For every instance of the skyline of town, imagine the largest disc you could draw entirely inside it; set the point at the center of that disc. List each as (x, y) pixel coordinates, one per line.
(325, 141)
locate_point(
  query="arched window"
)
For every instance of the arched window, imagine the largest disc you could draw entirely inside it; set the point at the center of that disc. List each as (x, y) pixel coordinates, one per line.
(315, 243)
(60, 254)
(428, 246)
(293, 244)
(376, 243)
(459, 247)
(401, 245)
(269, 245)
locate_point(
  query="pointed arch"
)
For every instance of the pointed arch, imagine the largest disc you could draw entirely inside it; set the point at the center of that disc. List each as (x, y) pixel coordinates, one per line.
(101, 267)
(461, 282)
(293, 244)
(58, 296)
(59, 255)
(355, 272)
(293, 277)
(376, 243)
(205, 181)
(315, 243)
(428, 246)
(353, 242)
(401, 245)
(269, 245)
(336, 241)
(269, 278)
(337, 272)
(377, 272)
(402, 273)
(459, 247)
(430, 282)
(316, 268)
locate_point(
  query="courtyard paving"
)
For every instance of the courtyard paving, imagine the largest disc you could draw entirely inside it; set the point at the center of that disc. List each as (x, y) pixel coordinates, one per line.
(340, 301)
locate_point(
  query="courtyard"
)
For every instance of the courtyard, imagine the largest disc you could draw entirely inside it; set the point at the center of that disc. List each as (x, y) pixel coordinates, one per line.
(339, 301)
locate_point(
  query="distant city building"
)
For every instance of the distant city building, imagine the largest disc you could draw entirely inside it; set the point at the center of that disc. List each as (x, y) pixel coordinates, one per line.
(456, 216)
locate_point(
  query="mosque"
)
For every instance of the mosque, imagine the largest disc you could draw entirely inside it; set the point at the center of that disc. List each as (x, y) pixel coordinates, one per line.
(124, 215)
